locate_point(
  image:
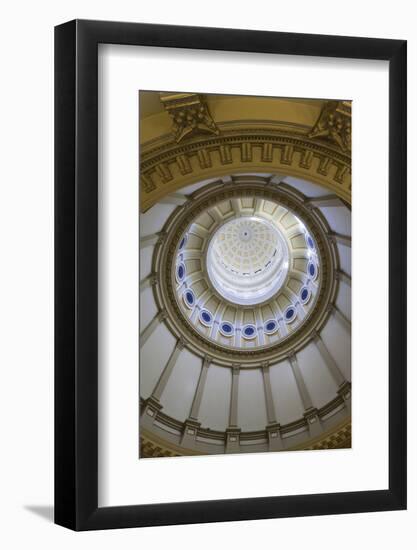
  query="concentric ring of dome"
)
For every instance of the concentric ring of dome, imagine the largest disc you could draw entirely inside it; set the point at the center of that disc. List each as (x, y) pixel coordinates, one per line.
(247, 260)
(221, 326)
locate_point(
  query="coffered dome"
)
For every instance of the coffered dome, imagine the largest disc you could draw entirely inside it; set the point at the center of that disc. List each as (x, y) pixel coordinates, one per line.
(247, 260)
(246, 271)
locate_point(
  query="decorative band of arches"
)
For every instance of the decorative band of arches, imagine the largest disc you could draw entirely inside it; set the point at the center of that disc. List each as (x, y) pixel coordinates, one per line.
(249, 331)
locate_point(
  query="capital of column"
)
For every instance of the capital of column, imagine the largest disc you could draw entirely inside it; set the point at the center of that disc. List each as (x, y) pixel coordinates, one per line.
(265, 366)
(181, 344)
(161, 238)
(162, 315)
(236, 369)
(292, 356)
(330, 308)
(315, 335)
(273, 427)
(345, 390)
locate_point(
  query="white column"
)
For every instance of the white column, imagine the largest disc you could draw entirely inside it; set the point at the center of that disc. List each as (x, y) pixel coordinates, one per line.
(216, 213)
(148, 281)
(328, 200)
(234, 396)
(221, 308)
(259, 327)
(330, 363)
(174, 198)
(302, 388)
(148, 331)
(149, 240)
(342, 276)
(269, 400)
(310, 412)
(166, 373)
(238, 325)
(341, 318)
(258, 206)
(195, 407)
(195, 277)
(283, 329)
(236, 206)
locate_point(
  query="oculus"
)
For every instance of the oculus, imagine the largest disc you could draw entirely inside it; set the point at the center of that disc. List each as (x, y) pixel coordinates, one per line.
(247, 260)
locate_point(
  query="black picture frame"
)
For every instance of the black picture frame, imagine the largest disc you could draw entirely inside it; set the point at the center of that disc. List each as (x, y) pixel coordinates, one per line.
(76, 272)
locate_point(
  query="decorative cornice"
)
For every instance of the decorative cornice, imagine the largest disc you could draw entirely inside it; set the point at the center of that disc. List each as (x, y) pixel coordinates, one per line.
(335, 124)
(190, 115)
(337, 437)
(169, 167)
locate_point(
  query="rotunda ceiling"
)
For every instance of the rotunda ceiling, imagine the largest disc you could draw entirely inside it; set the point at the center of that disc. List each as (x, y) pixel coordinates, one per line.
(247, 260)
(268, 326)
(249, 270)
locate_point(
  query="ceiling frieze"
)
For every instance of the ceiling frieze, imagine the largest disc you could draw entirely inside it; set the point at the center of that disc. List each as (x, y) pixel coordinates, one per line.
(335, 124)
(190, 115)
(172, 165)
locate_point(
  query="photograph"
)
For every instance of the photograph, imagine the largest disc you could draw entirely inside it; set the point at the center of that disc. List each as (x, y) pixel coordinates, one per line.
(208, 275)
(245, 274)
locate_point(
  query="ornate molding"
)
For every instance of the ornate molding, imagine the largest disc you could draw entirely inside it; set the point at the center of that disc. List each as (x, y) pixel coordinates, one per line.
(170, 166)
(335, 124)
(337, 437)
(190, 115)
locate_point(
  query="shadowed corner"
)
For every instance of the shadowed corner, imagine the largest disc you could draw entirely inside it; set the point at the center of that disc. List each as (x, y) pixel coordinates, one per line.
(45, 512)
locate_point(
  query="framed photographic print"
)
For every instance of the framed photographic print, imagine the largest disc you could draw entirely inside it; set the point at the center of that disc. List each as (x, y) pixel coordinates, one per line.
(230, 275)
